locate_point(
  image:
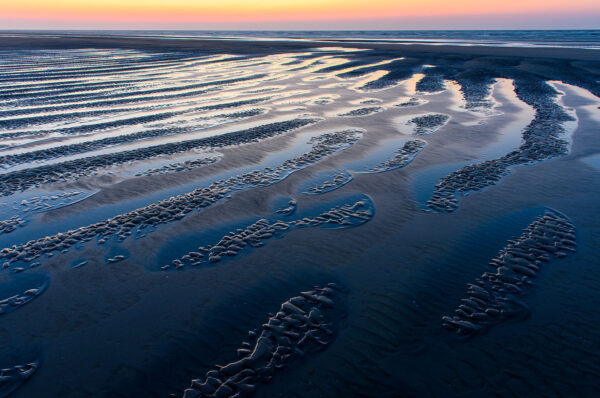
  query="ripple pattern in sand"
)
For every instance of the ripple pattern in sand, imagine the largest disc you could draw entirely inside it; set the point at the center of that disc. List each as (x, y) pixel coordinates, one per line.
(428, 124)
(23, 179)
(544, 138)
(362, 111)
(255, 235)
(12, 378)
(493, 297)
(29, 288)
(402, 157)
(11, 224)
(176, 208)
(337, 180)
(181, 166)
(304, 325)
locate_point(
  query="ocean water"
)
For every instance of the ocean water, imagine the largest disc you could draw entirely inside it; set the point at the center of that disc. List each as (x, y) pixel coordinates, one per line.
(549, 38)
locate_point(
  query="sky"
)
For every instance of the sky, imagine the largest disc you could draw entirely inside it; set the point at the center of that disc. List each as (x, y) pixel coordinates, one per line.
(299, 14)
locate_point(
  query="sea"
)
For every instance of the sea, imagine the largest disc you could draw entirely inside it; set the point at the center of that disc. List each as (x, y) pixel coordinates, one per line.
(512, 38)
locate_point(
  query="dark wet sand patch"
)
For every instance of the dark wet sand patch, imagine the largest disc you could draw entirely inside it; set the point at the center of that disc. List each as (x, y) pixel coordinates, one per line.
(494, 296)
(12, 378)
(333, 181)
(258, 233)
(18, 290)
(402, 157)
(23, 179)
(362, 111)
(428, 124)
(543, 139)
(175, 208)
(304, 325)
(181, 166)
(411, 102)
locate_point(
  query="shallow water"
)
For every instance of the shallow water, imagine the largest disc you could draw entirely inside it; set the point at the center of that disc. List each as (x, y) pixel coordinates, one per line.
(385, 150)
(161, 273)
(424, 181)
(593, 161)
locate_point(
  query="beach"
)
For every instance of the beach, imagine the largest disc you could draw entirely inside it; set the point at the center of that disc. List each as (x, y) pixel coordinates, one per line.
(191, 217)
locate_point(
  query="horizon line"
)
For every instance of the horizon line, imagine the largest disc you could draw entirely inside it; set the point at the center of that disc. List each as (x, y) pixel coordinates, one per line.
(295, 30)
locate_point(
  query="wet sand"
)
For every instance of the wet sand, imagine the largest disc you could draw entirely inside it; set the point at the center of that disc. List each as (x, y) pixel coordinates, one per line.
(408, 220)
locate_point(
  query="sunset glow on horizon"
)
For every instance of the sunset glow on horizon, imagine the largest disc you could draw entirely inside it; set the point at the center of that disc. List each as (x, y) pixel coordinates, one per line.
(232, 13)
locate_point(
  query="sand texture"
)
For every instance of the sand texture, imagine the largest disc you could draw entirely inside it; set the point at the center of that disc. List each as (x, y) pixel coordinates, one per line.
(236, 218)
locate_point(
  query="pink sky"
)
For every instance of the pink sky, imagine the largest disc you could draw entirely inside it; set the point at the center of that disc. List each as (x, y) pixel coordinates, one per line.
(300, 14)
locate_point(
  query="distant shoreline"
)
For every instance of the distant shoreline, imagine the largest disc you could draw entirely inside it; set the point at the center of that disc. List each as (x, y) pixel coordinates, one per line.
(41, 41)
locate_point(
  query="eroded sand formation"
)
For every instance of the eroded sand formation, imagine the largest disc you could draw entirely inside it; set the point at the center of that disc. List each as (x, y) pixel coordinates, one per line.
(88, 146)
(181, 166)
(362, 111)
(21, 180)
(12, 378)
(188, 88)
(428, 124)
(110, 102)
(50, 201)
(476, 90)
(11, 224)
(288, 209)
(371, 101)
(494, 296)
(543, 139)
(139, 95)
(176, 208)
(411, 102)
(402, 157)
(431, 83)
(255, 235)
(338, 180)
(15, 301)
(304, 325)
(20, 122)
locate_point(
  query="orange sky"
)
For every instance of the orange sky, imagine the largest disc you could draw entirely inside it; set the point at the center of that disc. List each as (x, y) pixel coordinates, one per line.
(228, 12)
